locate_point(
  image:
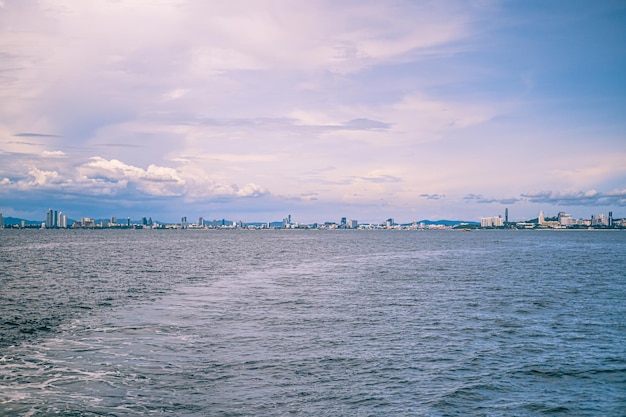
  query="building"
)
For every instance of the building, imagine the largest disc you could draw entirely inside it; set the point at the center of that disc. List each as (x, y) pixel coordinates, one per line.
(55, 219)
(84, 223)
(541, 219)
(62, 221)
(50, 218)
(491, 222)
(1, 221)
(599, 220)
(565, 219)
(287, 221)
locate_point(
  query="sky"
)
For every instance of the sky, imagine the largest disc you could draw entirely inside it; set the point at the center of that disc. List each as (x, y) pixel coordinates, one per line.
(253, 110)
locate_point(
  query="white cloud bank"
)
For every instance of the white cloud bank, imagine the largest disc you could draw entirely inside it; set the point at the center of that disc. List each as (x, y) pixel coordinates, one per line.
(99, 176)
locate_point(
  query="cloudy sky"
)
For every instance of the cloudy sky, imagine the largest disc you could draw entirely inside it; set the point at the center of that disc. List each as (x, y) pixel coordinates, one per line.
(252, 110)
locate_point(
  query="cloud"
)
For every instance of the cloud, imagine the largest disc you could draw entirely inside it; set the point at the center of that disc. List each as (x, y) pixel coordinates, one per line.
(42, 178)
(53, 153)
(480, 199)
(361, 124)
(592, 197)
(432, 196)
(379, 177)
(36, 135)
(108, 177)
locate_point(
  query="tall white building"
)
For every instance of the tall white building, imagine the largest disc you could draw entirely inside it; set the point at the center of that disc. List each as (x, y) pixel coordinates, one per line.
(541, 218)
(565, 219)
(495, 221)
(62, 220)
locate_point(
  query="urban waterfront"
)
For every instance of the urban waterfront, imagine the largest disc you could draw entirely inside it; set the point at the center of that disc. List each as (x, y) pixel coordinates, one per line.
(58, 220)
(240, 323)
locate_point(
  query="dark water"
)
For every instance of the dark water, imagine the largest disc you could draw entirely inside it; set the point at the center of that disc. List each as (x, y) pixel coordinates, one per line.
(276, 323)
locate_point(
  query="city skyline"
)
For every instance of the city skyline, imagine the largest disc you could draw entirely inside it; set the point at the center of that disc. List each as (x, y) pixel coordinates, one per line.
(411, 110)
(56, 219)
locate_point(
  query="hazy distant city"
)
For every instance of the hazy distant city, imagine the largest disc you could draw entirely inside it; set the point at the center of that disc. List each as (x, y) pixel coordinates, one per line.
(56, 219)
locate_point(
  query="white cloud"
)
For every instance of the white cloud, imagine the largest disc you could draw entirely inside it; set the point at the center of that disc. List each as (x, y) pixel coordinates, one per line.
(41, 178)
(53, 153)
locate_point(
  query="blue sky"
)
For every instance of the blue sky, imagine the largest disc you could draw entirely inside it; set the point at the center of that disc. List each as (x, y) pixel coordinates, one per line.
(253, 110)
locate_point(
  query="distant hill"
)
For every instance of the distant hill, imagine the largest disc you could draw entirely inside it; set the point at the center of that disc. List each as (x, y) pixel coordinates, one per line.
(10, 221)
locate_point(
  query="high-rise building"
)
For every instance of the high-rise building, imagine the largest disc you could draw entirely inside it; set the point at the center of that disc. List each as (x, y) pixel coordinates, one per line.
(49, 218)
(491, 221)
(62, 221)
(55, 219)
(541, 219)
(1, 221)
(506, 215)
(611, 224)
(565, 219)
(287, 221)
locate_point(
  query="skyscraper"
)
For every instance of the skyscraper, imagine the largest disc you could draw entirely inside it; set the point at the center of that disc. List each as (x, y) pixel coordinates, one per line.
(50, 219)
(506, 215)
(62, 220)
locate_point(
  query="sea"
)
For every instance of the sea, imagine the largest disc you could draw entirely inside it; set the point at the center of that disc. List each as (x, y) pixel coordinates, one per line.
(312, 322)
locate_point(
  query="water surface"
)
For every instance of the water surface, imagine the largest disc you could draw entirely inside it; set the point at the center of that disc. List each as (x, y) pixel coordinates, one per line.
(358, 323)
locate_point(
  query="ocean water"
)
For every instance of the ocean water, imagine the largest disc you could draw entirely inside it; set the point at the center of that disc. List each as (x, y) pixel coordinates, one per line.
(312, 323)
